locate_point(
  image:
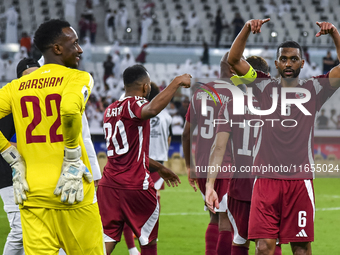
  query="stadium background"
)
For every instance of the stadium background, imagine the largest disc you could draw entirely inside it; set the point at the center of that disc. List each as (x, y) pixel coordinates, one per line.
(169, 47)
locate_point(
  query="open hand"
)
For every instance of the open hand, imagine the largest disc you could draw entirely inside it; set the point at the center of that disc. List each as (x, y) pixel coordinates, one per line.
(170, 178)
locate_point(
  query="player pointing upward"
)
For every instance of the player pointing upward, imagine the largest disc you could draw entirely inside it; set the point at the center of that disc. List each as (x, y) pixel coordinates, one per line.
(283, 203)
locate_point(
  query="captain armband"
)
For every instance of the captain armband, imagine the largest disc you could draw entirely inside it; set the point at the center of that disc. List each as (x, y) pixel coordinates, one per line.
(249, 77)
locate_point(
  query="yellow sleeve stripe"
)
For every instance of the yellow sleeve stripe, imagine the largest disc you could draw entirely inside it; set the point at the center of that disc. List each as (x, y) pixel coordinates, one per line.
(249, 77)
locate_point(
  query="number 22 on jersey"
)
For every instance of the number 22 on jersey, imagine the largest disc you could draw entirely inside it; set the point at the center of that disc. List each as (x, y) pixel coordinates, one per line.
(39, 120)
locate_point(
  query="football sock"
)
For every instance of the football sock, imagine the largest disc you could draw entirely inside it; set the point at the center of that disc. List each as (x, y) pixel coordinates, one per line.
(134, 251)
(278, 250)
(239, 250)
(149, 249)
(211, 237)
(224, 243)
(128, 235)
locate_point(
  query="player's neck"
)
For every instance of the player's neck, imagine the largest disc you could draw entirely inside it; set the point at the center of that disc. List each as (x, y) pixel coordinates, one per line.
(49, 60)
(286, 82)
(133, 94)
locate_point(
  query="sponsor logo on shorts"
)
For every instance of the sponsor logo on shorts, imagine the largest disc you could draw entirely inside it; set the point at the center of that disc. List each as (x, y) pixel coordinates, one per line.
(302, 233)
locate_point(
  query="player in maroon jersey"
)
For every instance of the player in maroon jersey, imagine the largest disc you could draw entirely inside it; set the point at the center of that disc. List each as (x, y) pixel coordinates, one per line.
(242, 135)
(126, 193)
(218, 235)
(283, 200)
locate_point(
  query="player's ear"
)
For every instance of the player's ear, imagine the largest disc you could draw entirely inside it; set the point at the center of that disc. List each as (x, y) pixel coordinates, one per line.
(57, 49)
(145, 88)
(276, 63)
(302, 63)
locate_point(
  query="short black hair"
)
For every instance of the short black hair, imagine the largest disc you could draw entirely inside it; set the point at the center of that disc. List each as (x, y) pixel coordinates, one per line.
(289, 44)
(258, 63)
(48, 32)
(154, 91)
(133, 74)
(25, 64)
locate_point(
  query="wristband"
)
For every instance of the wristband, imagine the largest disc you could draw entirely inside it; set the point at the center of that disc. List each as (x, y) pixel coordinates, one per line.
(72, 154)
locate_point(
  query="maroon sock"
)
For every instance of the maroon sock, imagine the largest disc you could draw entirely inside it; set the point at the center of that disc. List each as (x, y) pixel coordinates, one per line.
(148, 249)
(224, 243)
(211, 237)
(278, 250)
(128, 235)
(239, 250)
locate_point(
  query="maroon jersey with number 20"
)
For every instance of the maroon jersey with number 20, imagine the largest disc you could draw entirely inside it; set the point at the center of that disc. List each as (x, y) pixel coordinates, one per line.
(127, 141)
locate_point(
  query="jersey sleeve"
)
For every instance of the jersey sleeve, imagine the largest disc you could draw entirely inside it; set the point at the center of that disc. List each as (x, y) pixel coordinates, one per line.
(91, 153)
(259, 84)
(74, 98)
(136, 107)
(224, 116)
(5, 109)
(323, 89)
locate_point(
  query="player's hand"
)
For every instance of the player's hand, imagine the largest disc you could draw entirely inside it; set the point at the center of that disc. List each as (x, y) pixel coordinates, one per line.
(325, 28)
(256, 24)
(18, 165)
(192, 178)
(184, 80)
(70, 183)
(211, 198)
(170, 178)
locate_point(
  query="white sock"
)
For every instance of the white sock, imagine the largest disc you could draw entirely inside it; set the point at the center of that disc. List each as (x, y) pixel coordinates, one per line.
(134, 251)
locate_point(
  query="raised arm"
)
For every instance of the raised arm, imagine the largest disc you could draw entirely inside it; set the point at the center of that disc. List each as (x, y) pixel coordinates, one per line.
(162, 99)
(329, 28)
(240, 65)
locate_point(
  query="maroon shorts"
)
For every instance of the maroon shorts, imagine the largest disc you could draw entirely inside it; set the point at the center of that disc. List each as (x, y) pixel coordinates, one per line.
(137, 208)
(238, 213)
(282, 209)
(221, 187)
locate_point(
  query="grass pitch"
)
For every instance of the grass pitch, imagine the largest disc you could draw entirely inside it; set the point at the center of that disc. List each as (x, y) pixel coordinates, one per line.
(183, 221)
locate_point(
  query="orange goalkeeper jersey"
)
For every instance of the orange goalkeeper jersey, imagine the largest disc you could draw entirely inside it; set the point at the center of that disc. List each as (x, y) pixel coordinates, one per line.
(38, 101)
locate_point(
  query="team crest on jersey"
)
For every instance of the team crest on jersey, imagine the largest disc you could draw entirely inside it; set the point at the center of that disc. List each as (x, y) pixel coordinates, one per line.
(85, 93)
(300, 95)
(141, 102)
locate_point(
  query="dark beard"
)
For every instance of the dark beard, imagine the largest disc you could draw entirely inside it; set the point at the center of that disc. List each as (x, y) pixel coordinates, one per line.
(295, 74)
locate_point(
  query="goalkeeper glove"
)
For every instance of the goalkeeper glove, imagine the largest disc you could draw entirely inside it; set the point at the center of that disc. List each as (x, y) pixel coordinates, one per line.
(17, 163)
(70, 183)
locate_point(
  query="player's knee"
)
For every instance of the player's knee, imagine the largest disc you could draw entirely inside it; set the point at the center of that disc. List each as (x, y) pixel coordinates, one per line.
(213, 218)
(263, 247)
(223, 222)
(109, 246)
(301, 248)
(153, 242)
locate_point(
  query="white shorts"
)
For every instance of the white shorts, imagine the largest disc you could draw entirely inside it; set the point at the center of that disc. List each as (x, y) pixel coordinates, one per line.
(7, 195)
